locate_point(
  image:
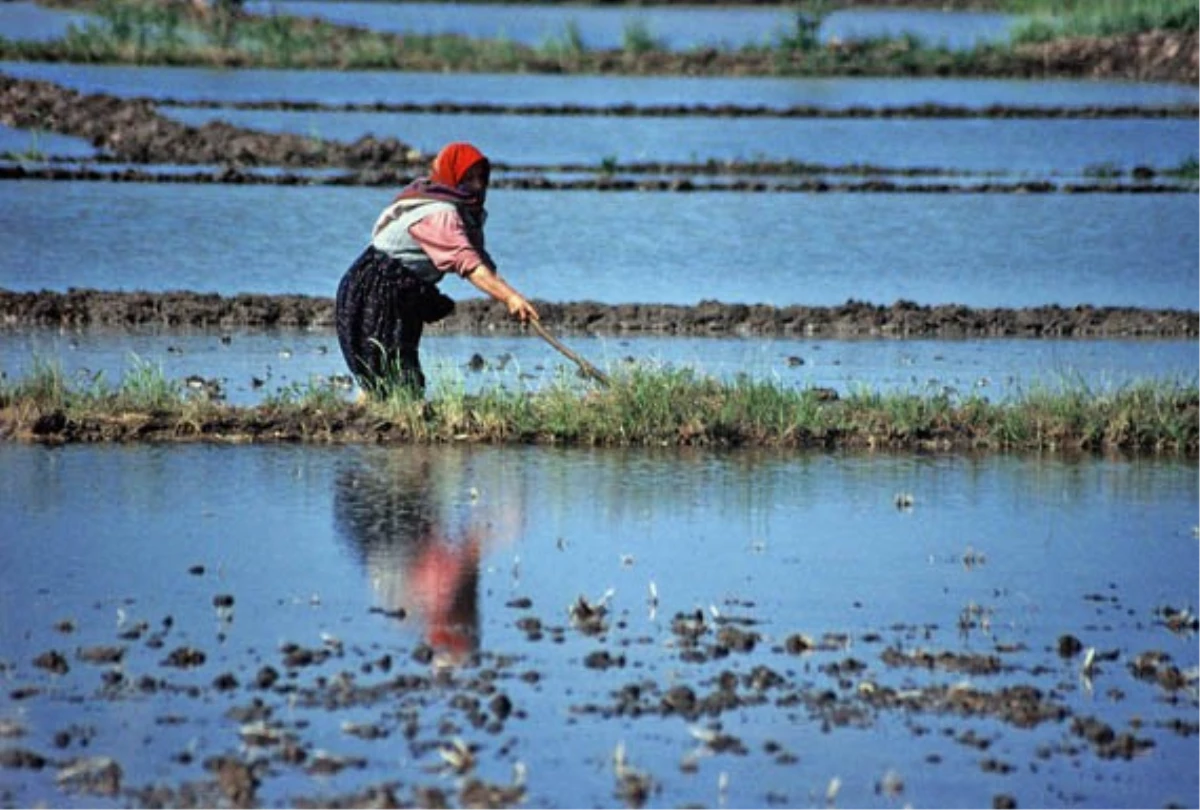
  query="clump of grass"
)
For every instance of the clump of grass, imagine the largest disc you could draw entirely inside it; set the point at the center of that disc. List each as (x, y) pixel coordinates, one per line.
(45, 387)
(637, 39)
(1188, 169)
(1053, 19)
(145, 388)
(1103, 171)
(806, 26)
(570, 44)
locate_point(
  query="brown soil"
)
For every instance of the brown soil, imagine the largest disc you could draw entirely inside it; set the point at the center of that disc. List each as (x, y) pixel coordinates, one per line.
(133, 131)
(181, 309)
(1141, 181)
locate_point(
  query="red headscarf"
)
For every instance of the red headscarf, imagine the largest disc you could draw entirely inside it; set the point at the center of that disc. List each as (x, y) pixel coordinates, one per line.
(453, 162)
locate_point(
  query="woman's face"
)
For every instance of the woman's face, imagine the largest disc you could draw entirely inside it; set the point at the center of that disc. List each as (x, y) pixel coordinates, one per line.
(475, 180)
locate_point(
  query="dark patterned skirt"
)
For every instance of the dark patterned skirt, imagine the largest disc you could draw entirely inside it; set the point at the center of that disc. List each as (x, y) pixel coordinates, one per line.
(381, 311)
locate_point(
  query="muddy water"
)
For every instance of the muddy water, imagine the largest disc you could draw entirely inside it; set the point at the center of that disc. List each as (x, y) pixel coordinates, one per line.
(334, 568)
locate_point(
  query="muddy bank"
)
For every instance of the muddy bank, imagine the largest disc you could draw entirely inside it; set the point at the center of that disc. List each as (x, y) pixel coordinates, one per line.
(929, 110)
(1141, 181)
(182, 309)
(133, 131)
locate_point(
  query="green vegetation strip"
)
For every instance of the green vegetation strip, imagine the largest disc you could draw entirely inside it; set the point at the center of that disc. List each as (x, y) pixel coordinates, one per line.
(642, 407)
(146, 32)
(1055, 19)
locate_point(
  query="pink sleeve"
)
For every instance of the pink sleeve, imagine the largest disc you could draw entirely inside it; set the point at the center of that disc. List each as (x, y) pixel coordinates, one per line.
(442, 236)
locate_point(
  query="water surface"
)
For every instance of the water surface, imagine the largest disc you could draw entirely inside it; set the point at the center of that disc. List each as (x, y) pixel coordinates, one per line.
(673, 28)
(252, 366)
(1011, 147)
(372, 86)
(24, 20)
(978, 250)
(308, 542)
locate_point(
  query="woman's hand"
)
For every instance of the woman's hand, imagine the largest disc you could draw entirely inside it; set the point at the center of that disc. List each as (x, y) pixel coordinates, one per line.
(488, 280)
(521, 309)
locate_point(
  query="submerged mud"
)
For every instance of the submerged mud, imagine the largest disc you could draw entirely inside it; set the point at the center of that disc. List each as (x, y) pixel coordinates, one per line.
(184, 309)
(457, 721)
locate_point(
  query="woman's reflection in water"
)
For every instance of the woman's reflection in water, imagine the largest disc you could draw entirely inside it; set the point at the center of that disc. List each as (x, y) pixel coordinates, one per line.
(396, 511)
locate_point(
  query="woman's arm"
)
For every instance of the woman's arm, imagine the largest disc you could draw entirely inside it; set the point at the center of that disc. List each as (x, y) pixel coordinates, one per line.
(490, 282)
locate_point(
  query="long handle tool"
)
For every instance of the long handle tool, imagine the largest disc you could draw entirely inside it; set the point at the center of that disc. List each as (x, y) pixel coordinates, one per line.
(586, 367)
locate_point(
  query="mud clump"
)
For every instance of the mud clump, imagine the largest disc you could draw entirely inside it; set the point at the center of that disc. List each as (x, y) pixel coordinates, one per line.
(1148, 56)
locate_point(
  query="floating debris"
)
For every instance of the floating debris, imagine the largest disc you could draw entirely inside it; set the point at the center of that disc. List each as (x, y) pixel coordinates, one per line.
(891, 785)
(99, 775)
(589, 617)
(1179, 620)
(457, 756)
(633, 787)
(831, 792)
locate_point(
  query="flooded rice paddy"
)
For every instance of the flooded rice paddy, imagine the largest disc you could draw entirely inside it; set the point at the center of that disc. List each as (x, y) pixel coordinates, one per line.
(978, 250)
(217, 626)
(294, 626)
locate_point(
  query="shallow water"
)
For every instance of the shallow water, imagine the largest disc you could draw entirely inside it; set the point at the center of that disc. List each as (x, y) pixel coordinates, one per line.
(674, 28)
(290, 360)
(1020, 147)
(995, 551)
(598, 27)
(977, 250)
(31, 147)
(24, 20)
(371, 86)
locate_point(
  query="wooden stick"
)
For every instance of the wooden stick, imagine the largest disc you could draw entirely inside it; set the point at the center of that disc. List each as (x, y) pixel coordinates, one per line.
(584, 365)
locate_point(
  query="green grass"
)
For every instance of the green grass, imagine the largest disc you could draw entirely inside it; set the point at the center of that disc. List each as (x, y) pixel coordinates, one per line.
(1188, 169)
(644, 406)
(1052, 19)
(142, 32)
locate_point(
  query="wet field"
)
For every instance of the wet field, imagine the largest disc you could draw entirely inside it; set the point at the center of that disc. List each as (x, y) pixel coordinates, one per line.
(347, 625)
(203, 625)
